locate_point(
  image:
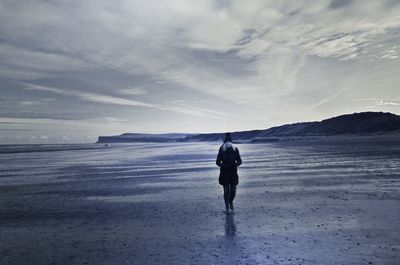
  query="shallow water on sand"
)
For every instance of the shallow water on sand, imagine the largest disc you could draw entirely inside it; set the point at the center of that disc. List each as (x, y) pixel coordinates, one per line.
(329, 201)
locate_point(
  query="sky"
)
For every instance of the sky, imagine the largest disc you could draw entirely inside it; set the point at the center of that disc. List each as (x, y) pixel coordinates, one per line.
(73, 70)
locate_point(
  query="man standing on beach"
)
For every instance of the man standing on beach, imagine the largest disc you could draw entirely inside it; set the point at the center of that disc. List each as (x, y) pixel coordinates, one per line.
(228, 160)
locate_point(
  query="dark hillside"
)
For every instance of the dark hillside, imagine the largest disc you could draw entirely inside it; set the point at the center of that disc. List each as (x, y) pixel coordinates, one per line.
(364, 123)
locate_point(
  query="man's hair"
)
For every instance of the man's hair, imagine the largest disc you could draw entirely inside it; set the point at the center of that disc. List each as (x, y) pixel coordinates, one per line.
(228, 137)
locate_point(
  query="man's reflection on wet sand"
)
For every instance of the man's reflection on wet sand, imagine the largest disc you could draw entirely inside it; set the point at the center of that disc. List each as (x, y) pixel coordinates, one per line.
(230, 227)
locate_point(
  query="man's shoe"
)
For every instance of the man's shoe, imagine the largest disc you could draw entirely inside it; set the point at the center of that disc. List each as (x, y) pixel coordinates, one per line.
(231, 206)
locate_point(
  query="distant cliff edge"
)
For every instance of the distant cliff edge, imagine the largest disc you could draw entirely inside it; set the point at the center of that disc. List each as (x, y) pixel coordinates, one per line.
(364, 123)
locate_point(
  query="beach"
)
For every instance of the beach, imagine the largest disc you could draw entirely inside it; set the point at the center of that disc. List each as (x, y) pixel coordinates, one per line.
(316, 201)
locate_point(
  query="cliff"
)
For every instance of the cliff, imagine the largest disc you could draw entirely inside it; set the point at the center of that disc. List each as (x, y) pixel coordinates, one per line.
(364, 123)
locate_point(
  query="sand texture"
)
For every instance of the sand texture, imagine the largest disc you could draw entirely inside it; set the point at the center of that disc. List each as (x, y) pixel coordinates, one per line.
(332, 201)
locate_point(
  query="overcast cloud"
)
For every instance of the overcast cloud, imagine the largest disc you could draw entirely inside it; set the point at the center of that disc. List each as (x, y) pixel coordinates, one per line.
(72, 70)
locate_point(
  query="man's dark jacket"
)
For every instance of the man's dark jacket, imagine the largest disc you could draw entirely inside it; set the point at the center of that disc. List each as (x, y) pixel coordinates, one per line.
(228, 172)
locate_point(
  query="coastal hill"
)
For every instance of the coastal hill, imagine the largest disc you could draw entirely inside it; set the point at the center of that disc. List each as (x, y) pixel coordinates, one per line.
(364, 123)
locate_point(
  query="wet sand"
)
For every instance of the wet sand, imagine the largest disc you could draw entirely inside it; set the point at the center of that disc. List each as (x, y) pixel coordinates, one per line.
(301, 202)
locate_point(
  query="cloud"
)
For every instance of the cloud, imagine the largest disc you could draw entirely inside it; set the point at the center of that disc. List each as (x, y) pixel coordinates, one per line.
(132, 91)
(197, 111)
(155, 46)
(105, 99)
(91, 97)
(388, 102)
(331, 97)
(29, 103)
(113, 119)
(28, 62)
(391, 53)
(340, 3)
(380, 102)
(240, 63)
